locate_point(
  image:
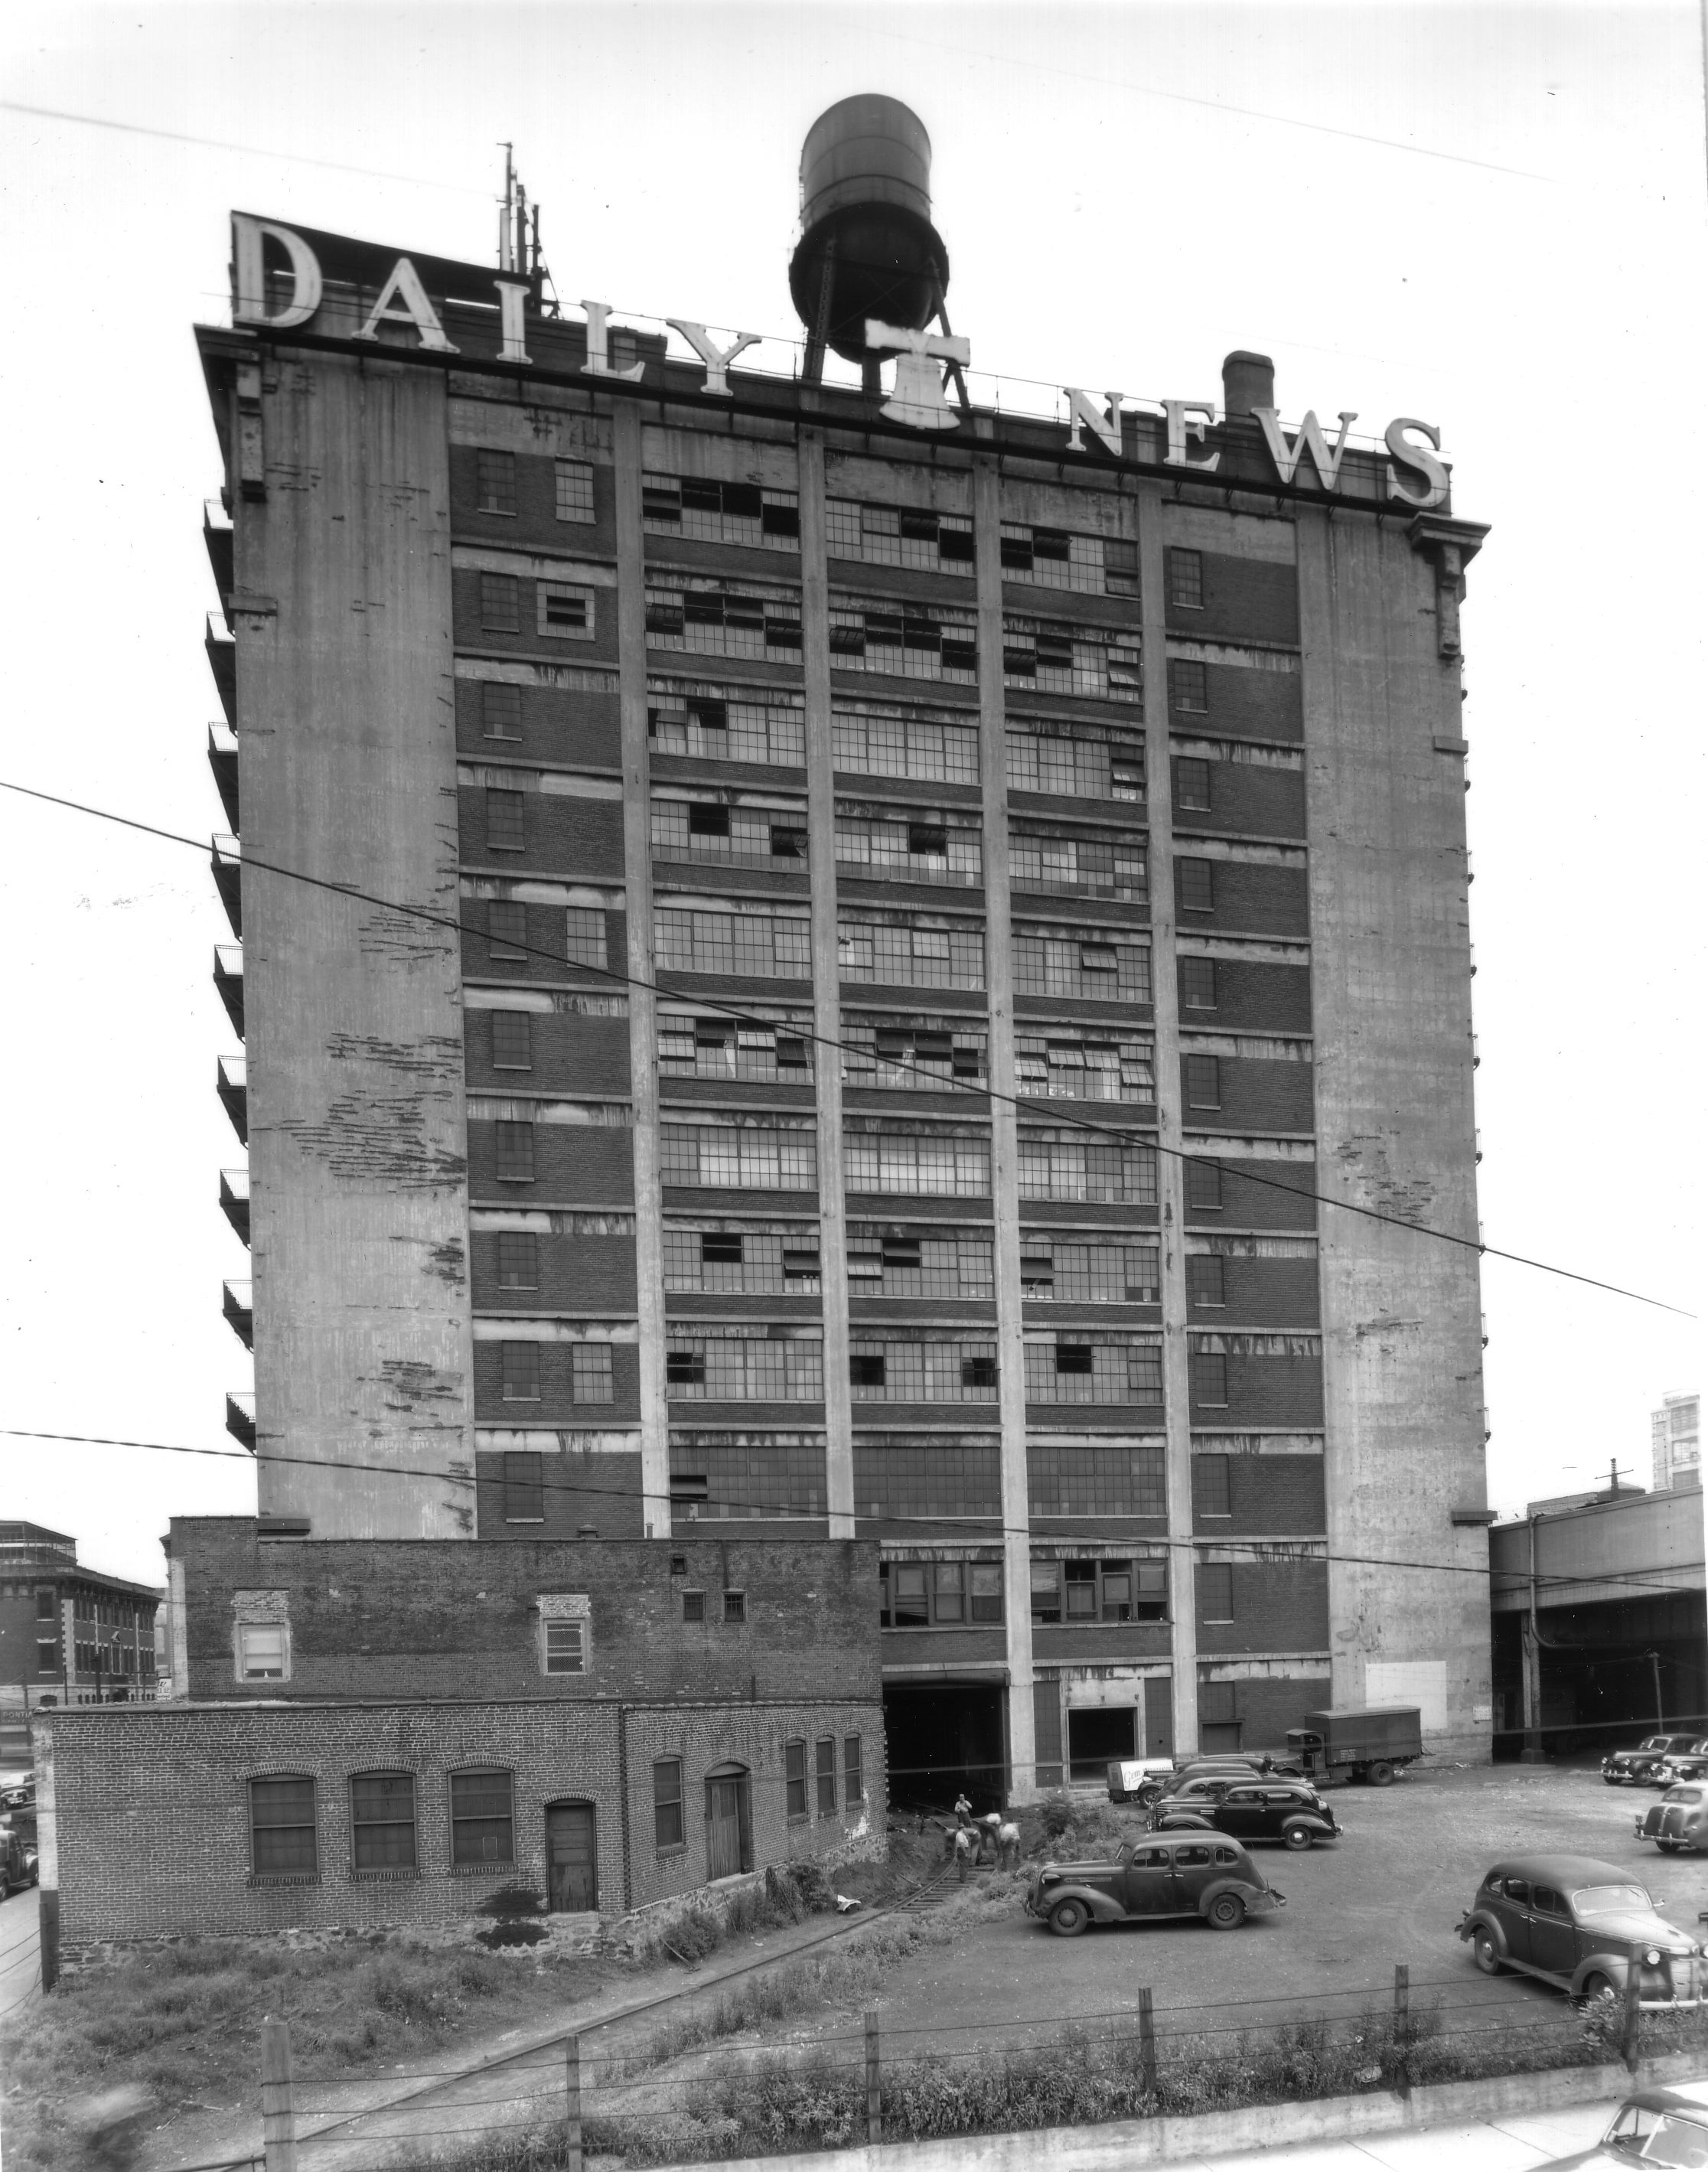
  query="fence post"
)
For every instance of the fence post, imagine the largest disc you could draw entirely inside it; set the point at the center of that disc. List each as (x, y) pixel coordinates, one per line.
(1632, 2029)
(874, 2083)
(571, 2105)
(278, 2098)
(1402, 2026)
(1147, 2041)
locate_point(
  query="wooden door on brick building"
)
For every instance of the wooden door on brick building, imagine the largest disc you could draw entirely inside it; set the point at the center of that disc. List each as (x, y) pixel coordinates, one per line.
(572, 1857)
(729, 1823)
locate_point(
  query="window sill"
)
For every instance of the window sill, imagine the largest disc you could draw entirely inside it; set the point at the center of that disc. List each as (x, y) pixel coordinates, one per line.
(478, 1869)
(397, 1876)
(524, 1519)
(676, 1847)
(284, 1877)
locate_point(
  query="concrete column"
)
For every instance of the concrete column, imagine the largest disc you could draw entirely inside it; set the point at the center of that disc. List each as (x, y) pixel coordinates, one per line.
(827, 1023)
(1005, 1151)
(1171, 1188)
(643, 964)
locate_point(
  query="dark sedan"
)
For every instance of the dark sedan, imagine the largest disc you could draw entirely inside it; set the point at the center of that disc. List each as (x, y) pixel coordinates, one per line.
(1574, 1922)
(1640, 1766)
(1252, 1811)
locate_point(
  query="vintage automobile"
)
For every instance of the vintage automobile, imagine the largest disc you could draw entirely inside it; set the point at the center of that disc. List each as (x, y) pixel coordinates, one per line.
(1252, 1810)
(1691, 1764)
(1638, 1767)
(1678, 1821)
(1657, 2127)
(1572, 1920)
(18, 1867)
(1148, 1881)
(1203, 1787)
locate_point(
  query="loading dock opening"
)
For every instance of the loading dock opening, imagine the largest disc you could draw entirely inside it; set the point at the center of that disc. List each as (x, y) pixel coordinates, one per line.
(946, 1739)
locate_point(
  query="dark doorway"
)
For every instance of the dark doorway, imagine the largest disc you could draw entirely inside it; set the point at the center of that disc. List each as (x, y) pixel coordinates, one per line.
(945, 1740)
(571, 1858)
(729, 1822)
(1097, 1735)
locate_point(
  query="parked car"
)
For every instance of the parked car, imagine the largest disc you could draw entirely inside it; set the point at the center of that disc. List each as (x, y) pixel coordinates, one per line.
(1202, 1789)
(1252, 1810)
(19, 1866)
(1654, 2126)
(1571, 1920)
(1678, 1765)
(1678, 1821)
(1152, 1881)
(1637, 1768)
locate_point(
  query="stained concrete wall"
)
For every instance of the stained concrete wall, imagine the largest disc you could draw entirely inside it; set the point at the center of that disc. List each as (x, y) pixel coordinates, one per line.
(357, 1145)
(1402, 1353)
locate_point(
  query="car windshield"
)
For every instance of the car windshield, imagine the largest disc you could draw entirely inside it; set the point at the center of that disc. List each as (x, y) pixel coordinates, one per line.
(1593, 1900)
(1649, 2137)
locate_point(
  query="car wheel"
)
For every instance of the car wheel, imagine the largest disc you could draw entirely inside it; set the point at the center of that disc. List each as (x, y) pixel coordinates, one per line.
(1609, 1779)
(1381, 1773)
(1667, 1846)
(1296, 1837)
(1226, 1911)
(1485, 1952)
(1598, 1987)
(1068, 1918)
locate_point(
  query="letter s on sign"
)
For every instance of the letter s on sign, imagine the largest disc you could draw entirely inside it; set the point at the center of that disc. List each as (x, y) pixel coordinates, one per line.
(1419, 462)
(249, 301)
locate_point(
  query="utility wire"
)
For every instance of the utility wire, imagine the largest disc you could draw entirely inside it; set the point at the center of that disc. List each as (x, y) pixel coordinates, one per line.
(1123, 1135)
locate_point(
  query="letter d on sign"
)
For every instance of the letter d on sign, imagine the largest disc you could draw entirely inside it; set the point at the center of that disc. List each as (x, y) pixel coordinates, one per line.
(249, 275)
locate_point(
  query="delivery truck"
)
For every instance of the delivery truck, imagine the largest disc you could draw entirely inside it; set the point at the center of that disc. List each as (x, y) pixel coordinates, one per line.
(1363, 1742)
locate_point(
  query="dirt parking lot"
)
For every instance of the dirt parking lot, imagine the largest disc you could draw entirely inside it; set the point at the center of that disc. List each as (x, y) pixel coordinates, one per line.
(1391, 1891)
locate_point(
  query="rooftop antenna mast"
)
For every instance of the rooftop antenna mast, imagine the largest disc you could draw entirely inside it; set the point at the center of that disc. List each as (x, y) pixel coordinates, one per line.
(518, 236)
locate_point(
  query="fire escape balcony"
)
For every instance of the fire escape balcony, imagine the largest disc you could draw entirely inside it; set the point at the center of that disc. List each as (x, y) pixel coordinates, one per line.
(221, 539)
(222, 659)
(238, 1308)
(227, 863)
(228, 980)
(234, 1199)
(232, 1087)
(240, 1418)
(222, 760)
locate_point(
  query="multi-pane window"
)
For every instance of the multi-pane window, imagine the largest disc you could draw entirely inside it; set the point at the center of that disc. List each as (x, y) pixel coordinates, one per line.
(1072, 1367)
(735, 1606)
(761, 726)
(564, 612)
(506, 821)
(1209, 1377)
(282, 1827)
(732, 835)
(911, 1052)
(724, 1048)
(910, 957)
(1215, 1581)
(1198, 984)
(574, 485)
(1186, 579)
(757, 945)
(693, 1606)
(260, 1651)
(899, 536)
(1095, 867)
(718, 619)
(1197, 885)
(918, 847)
(46, 1604)
(952, 1164)
(500, 710)
(1064, 1164)
(730, 1366)
(1203, 1082)
(482, 1817)
(512, 1152)
(906, 640)
(825, 1774)
(1041, 656)
(1204, 1186)
(739, 1157)
(1204, 1278)
(495, 482)
(513, 1041)
(853, 1773)
(1101, 1271)
(1191, 784)
(524, 1486)
(585, 935)
(1074, 762)
(874, 742)
(881, 1371)
(1096, 1481)
(885, 1261)
(518, 1260)
(756, 1262)
(940, 1593)
(667, 1829)
(381, 1820)
(564, 1647)
(590, 1376)
(1052, 558)
(1098, 1590)
(1212, 1489)
(1188, 685)
(506, 931)
(795, 1779)
(501, 603)
(520, 1368)
(710, 512)
(1074, 1066)
(1101, 965)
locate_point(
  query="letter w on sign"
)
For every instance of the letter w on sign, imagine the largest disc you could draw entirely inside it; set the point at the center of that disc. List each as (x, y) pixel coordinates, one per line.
(1286, 457)
(918, 397)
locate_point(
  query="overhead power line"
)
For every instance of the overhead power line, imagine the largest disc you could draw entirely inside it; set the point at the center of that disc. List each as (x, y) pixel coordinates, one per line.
(1124, 1135)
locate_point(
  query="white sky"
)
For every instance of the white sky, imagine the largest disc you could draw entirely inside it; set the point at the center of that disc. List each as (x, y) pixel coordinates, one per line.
(1126, 192)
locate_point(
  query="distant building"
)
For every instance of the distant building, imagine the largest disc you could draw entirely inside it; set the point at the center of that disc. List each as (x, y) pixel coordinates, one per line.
(1675, 1431)
(69, 1635)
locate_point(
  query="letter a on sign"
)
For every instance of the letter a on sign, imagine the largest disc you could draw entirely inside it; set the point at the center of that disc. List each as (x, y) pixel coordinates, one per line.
(403, 301)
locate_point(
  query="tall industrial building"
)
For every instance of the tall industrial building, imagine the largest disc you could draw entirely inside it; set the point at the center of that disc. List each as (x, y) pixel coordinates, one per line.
(1675, 1437)
(843, 932)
